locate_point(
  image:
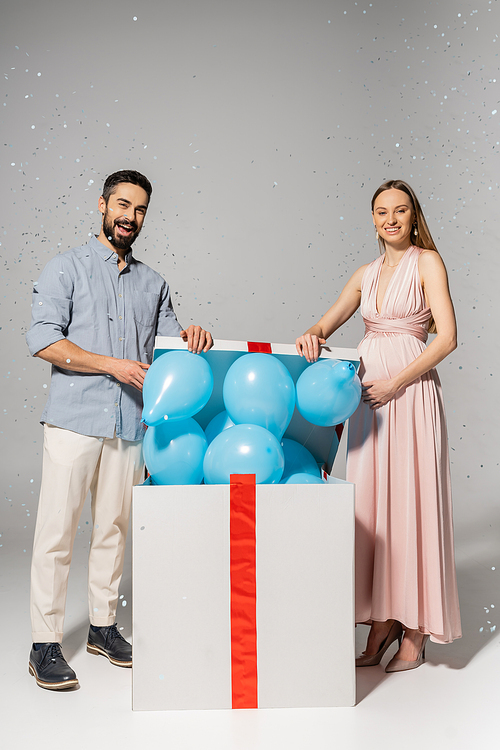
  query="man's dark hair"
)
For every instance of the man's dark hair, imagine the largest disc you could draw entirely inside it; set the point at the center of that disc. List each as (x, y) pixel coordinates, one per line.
(125, 175)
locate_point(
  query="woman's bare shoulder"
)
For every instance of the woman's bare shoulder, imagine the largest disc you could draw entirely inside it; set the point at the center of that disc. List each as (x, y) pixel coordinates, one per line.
(431, 267)
(363, 268)
(430, 259)
(358, 274)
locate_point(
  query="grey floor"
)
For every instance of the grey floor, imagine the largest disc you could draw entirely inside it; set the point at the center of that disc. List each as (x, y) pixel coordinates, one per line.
(452, 701)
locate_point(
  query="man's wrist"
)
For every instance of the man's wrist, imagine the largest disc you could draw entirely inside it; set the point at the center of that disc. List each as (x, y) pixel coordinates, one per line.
(103, 363)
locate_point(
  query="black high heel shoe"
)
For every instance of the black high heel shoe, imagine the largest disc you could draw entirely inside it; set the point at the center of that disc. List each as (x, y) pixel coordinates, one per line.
(394, 634)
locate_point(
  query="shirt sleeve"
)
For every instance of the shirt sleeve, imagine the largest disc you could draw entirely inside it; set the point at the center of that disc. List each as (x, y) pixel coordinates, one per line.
(51, 306)
(168, 325)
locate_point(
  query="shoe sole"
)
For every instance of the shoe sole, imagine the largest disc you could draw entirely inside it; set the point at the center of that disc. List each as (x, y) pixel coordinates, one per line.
(97, 651)
(51, 685)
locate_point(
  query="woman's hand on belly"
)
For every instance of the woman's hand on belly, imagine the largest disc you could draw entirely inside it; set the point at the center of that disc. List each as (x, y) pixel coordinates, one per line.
(378, 392)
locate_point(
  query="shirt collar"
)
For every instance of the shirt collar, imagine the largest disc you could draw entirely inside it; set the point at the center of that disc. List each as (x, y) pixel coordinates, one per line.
(105, 252)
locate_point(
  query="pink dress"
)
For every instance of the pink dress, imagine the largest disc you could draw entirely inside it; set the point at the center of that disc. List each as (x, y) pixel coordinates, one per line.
(398, 460)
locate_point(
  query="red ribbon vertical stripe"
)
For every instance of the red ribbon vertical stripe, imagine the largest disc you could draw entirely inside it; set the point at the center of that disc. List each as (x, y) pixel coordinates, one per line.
(243, 592)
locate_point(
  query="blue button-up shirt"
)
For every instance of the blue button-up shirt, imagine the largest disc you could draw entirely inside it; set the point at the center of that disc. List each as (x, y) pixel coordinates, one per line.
(81, 295)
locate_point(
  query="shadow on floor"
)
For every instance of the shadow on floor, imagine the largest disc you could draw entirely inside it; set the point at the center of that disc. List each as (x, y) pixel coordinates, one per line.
(478, 586)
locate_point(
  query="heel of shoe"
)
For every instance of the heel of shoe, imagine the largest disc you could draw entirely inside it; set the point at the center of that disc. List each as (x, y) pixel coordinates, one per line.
(31, 670)
(93, 649)
(421, 655)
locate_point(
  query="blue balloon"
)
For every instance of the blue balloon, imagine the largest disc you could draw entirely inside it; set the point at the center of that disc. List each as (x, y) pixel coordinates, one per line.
(302, 478)
(177, 385)
(258, 389)
(298, 460)
(244, 449)
(219, 423)
(328, 393)
(174, 452)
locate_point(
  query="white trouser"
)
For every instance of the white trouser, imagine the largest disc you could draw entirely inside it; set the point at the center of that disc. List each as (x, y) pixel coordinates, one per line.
(73, 464)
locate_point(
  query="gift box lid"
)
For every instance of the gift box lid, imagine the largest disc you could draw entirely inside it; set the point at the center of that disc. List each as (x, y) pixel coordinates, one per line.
(322, 442)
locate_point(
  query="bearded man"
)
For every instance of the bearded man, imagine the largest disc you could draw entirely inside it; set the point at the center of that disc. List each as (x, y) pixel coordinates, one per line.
(95, 314)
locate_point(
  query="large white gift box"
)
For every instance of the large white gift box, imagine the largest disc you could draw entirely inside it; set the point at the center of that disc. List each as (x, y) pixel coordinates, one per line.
(243, 594)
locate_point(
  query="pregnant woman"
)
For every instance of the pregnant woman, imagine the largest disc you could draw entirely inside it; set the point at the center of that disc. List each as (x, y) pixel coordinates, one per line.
(397, 450)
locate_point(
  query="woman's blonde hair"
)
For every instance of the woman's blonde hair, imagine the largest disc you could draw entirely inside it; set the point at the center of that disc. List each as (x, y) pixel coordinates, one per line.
(423, 237)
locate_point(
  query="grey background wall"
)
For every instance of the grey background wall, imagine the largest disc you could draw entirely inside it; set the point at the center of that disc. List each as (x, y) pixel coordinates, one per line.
(265, 128)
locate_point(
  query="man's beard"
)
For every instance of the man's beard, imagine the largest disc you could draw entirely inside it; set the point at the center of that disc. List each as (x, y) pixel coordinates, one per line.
(121, 243)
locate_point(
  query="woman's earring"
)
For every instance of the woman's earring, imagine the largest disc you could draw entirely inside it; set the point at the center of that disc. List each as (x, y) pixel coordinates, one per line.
(415, 230)
(376, 234)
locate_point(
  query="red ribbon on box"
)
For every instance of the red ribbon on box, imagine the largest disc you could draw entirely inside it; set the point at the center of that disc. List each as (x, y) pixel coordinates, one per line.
(243, 591)
(259, 346)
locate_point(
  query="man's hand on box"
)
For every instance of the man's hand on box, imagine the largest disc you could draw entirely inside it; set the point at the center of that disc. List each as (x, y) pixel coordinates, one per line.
(197, 339)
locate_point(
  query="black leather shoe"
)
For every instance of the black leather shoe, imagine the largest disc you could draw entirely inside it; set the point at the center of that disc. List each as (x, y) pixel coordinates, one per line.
(50, 669)
(108, 642)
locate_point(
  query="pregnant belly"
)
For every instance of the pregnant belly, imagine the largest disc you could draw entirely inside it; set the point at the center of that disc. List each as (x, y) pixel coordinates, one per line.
(383, 356)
